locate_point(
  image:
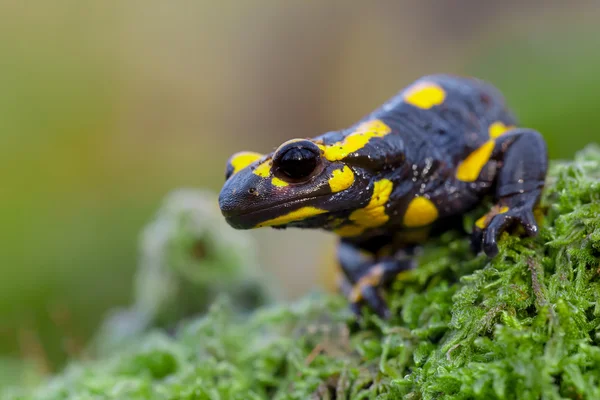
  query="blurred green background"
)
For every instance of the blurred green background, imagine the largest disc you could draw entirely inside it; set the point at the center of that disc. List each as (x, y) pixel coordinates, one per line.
(107, 106)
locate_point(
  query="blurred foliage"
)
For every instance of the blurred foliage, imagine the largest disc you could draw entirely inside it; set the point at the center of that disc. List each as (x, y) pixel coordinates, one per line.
(16, 372)
(524, 325)
(550, 81)
(189, 256)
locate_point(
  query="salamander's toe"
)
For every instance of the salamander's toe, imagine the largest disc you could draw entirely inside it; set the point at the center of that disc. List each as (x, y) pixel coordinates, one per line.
(372, 297)
(367, 291)
(488, 229)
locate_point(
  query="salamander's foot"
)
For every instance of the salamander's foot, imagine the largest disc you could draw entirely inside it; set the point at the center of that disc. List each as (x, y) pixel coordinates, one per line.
(518, 209)
(366, 274)
(367, 290)
(368, 287)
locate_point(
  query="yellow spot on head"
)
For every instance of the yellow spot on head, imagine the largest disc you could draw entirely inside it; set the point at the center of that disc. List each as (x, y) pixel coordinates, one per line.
(420, 212)
(278, 182)
(425, 95)
(498, 129)
(242, 159)
(469, 169)
(356, 140)
(264, 169)
(342, 179)
(373, 214)
(297, 215)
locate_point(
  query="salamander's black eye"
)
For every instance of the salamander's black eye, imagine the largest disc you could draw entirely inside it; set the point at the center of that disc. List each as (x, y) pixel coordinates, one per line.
(297, 163)
(297, 160)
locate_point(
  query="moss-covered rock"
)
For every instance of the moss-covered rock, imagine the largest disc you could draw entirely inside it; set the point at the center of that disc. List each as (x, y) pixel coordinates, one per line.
(525, 325)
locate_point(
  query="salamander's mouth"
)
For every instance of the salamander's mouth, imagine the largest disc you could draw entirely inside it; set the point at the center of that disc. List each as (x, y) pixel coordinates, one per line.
(255, 216)
(248, 212)
(249, 200)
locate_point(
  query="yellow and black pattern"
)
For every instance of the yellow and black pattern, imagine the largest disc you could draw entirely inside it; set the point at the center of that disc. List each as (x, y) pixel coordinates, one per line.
(432, 152)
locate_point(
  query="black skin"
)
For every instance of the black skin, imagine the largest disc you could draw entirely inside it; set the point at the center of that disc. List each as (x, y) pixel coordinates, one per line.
(420, 157)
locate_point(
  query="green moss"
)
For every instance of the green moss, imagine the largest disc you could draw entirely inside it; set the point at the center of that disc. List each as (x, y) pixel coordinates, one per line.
(525, 325)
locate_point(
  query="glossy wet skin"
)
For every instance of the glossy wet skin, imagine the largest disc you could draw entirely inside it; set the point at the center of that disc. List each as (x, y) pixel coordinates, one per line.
(294, 186)
(434, 151)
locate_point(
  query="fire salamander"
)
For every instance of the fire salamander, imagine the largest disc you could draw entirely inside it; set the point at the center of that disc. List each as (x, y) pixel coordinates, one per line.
(405, 172)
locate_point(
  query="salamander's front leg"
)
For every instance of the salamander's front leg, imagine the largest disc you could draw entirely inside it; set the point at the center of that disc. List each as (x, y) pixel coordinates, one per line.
(522, 159)
(365, 274)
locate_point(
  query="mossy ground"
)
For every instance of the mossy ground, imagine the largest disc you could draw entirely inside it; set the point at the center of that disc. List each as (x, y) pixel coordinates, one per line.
(525, 325)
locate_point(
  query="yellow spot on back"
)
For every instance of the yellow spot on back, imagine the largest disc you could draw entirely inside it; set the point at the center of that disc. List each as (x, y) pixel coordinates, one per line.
(425, 95)
(469, 169)
(264, 169)
(356, 140)
(297, 215)
(498, 129)
(420, 212)
(342, 179)
(242, 159)
(373, 214)
(278, 182)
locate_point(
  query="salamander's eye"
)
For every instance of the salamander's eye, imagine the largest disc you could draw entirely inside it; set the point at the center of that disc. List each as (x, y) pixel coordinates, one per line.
(297, 160)
(297, 163)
